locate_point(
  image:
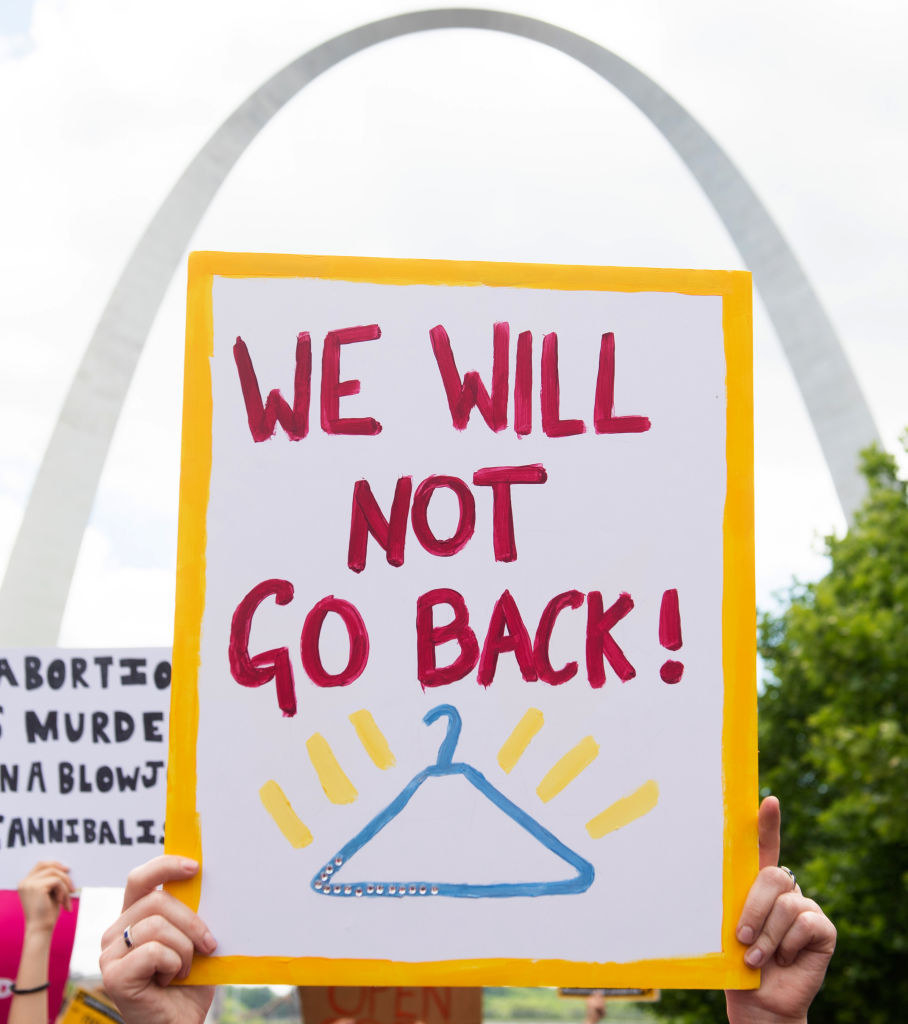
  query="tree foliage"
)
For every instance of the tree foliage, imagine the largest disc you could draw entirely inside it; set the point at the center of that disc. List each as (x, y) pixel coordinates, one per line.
(833, 742)
(833, 747)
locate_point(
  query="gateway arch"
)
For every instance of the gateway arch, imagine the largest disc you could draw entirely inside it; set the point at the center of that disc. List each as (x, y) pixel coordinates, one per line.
(34, 591)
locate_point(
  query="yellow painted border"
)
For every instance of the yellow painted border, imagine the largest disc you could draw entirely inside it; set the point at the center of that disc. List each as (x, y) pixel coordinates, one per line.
(560, 277)
(183, 828)
(739, 757)
(717, 970)
(739, 614)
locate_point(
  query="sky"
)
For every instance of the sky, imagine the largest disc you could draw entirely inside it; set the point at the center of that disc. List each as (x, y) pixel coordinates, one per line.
(456, 144)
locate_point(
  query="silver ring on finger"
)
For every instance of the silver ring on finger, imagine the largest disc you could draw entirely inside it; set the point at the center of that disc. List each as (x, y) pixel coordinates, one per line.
(791, 875)
(127, 937)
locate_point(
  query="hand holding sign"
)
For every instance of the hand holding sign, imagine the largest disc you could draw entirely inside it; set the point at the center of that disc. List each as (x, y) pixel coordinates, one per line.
(162, 936)
(795, 938)
(788, 936)
(43, 891)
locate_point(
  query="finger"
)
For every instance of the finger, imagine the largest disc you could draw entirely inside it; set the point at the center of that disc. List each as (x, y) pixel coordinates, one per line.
(59, 888)
(43, 865)
(131, 975)
(148, 876)
(157, 904)
(812, 931)
(785, 911)
(158, 928)
(769, 828)
(55, 881)
(50, 880)
(70, 888)
(770, 884)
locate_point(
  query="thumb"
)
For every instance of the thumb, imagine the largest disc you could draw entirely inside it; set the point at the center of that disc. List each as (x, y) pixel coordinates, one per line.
(769, 830)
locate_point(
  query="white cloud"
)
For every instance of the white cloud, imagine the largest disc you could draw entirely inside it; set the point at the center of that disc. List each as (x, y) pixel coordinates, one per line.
(114, 604)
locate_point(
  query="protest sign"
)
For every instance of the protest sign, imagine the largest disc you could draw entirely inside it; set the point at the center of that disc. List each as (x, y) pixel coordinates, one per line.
(464, 663)
(391, 1004)
(90, 1007)
(83, 751)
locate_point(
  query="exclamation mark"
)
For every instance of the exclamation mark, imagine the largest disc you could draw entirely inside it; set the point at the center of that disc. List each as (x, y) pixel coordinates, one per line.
(670, 635)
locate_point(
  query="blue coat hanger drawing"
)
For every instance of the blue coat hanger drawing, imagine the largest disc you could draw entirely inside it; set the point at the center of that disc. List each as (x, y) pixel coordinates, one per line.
(579, 881)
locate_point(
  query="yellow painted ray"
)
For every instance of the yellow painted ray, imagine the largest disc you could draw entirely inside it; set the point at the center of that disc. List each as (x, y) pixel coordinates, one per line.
(513, 748)
(278, 806)
(568, 768)
(622, 812)
(373, 739)
(338, 788)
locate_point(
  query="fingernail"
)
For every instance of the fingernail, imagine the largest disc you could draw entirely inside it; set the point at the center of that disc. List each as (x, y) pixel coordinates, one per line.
(190, 865)
(753, 957)
(746, 934)
(209, 943)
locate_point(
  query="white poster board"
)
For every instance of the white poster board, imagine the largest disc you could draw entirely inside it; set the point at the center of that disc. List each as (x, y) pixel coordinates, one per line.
(464, 613)
(83, 751)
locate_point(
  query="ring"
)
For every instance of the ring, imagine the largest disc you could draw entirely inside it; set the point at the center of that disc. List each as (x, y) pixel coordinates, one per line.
(791, 875)
(127, 937)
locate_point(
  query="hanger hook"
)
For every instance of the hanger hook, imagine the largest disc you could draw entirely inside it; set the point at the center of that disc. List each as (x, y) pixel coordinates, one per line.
(446, 750)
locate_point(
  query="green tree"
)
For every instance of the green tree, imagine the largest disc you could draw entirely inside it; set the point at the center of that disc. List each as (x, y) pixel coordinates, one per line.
(833, 746)
(833, 741)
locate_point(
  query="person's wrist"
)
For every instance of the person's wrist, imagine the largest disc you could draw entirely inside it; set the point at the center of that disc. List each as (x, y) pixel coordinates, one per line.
(763, 1017)
(39, 931)
(743, 1014)
(771, 1018)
